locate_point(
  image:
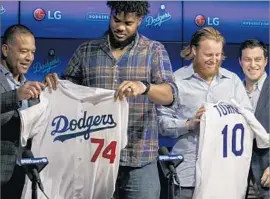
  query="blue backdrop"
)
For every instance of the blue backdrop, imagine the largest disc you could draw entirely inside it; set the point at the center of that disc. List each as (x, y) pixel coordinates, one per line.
(60, 27)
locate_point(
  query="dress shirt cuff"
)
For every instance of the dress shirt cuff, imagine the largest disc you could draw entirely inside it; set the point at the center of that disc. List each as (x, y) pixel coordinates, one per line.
(174, 92)
(174, 128)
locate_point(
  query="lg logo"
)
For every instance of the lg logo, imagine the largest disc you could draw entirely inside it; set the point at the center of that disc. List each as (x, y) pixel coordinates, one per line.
(40, 14)
(200, 20)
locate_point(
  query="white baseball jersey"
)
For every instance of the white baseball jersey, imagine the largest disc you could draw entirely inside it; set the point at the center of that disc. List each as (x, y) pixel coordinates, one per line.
(81, 131)
(225, 148)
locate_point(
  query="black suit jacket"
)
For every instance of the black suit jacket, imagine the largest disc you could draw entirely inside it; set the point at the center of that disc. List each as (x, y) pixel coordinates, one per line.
(262, 110)
(10, 129)
(260, 157)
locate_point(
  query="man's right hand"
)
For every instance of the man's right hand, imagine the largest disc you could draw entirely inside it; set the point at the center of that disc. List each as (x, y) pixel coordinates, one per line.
(51, 80)
(193, 123)
(30, 90)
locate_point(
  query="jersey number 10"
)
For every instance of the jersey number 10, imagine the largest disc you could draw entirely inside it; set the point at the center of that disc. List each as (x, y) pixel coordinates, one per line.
(237, 132)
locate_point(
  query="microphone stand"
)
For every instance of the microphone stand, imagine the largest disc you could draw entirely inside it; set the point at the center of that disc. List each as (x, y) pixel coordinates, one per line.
(168, 169)
(34, 189)
(171, 184)
(171, 187)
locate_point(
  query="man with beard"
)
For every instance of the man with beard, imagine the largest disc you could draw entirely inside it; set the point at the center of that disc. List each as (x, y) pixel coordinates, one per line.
(204, 80)
(18, 49)
(137, 68)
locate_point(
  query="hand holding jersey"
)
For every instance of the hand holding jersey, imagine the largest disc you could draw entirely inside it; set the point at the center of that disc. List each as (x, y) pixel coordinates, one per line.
(265, 180)
(52, 80)
(29, 90)
(129, 89)
(193, 123)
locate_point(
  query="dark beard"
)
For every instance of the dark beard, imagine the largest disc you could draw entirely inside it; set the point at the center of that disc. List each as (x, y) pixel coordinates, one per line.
(116, 44)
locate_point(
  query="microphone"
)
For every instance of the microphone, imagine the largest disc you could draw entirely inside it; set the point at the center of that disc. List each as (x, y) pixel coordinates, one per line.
(169, 162)
(33, 166)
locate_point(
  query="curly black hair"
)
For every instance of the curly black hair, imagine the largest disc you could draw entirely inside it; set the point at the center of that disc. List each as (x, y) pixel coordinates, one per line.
(141, 8)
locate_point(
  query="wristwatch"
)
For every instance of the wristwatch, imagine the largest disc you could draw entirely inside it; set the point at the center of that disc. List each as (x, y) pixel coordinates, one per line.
(148, 85)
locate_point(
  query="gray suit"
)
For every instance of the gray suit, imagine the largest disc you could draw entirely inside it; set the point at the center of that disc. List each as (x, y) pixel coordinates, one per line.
(12, 176)
(260, 157)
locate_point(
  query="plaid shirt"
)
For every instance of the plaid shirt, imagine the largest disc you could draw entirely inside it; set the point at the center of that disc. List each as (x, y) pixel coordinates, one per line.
(93, 65)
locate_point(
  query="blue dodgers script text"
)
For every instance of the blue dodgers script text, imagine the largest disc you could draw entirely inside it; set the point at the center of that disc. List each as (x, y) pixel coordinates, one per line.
(66, 129)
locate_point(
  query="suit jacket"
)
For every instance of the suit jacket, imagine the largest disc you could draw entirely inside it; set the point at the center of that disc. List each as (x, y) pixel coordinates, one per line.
(10, 129)
(9, 101)
(262, 110)
(260, 157)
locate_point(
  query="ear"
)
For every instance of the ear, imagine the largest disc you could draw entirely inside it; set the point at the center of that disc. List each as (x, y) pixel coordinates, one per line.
(266, 61)
(140, 21)
(240, 63)
(193, 49)
(4, 50)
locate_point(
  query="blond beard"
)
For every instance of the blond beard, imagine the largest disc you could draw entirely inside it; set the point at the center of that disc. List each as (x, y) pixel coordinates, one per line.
(206, 75)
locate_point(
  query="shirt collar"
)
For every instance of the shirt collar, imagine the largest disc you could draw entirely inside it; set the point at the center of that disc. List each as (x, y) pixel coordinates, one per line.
(259, 84)
(4, 70)
(104, 43)
(9, 75)
(189, 72)
(261, 81)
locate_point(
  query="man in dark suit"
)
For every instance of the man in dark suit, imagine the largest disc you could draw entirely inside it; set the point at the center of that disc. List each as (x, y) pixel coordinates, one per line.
(17, 54)
(253, 58)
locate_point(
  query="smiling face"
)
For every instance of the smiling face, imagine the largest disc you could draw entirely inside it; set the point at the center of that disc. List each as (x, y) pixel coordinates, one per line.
(123, 26)
(207, 58)
(253, 63)
(19, 53)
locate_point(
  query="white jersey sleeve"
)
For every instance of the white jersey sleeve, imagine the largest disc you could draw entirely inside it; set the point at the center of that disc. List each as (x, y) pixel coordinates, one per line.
(124, 123)
(32, 119)
(262, 138)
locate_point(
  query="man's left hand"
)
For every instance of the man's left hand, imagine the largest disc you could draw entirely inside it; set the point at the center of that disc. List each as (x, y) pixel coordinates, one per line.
(129, 89)
(265, 180)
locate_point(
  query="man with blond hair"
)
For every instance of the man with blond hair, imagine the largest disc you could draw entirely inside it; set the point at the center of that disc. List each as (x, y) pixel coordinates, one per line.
(203, 81)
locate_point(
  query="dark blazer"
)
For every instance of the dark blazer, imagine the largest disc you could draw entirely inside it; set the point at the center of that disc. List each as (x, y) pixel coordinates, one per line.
(260, 157)
(262, 110)
(8, 101)
(10, 129)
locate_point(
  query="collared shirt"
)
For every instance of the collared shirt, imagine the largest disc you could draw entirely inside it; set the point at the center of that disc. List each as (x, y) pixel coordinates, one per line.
(255, 93)
(94, 65)
(193, 93)
(14, 84)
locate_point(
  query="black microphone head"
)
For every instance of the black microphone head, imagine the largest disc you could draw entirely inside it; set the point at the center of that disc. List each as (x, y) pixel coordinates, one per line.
(27, 154)
(31, 164)
(169, 165)
(163, 151)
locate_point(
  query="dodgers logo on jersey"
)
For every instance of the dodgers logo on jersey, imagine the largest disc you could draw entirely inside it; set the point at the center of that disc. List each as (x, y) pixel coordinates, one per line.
(65, 129)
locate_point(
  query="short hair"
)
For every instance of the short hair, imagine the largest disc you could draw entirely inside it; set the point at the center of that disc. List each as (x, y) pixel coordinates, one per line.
(141, 8)
(199, 35)
(13, 30)
(253, 43)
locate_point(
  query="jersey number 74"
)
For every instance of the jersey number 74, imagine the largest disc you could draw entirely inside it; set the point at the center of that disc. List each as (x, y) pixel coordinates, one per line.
(107, 153)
